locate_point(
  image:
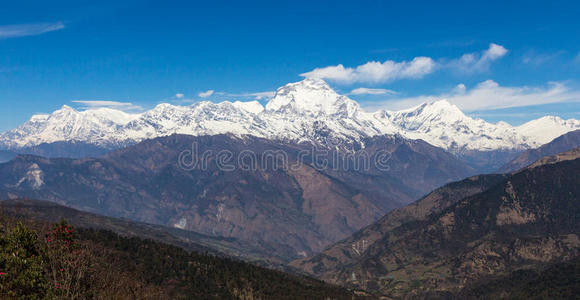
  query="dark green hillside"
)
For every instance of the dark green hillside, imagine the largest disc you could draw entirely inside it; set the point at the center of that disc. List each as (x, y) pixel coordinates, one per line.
(43, 261)
(50, 212)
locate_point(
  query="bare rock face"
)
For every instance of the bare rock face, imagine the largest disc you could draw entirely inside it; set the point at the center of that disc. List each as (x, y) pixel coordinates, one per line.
(458, 236)
(237, 190)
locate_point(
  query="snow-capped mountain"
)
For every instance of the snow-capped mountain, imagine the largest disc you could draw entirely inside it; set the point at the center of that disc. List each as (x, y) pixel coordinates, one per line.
(443, 124)
(311, 98)
(308, 110)
(545, 129)
(96, 126)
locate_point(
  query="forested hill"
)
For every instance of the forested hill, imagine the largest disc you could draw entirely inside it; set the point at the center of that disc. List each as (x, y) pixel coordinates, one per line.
(44, 261)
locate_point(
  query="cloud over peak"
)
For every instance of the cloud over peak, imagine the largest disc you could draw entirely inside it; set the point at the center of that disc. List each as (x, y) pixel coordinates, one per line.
(418, 67)
(369, 91)
(95, 104)
(490, 95)
(375, 71)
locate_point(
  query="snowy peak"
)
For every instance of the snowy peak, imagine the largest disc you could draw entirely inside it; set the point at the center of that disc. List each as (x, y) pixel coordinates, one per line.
(164, 110)
(67, 124)
(545, 129)
(39, 118)
(66, 108)
(251, 106)
(441, 109)
(310, 96)
(429, 116)
(64, 112)
(443, 124)
(108, 115)
(68, 115)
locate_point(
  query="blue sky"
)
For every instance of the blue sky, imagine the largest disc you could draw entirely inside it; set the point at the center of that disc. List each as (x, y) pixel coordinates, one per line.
(499, 61)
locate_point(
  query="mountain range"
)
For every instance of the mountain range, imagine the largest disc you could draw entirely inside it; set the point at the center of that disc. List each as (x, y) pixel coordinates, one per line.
(306, 111)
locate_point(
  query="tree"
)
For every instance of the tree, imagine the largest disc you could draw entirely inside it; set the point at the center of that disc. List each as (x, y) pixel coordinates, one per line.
(21, 264)
(67, 263)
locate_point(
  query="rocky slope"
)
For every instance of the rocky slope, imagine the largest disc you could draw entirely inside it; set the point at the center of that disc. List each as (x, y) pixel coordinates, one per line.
(527, 220)
(348, 251)
(291, 209)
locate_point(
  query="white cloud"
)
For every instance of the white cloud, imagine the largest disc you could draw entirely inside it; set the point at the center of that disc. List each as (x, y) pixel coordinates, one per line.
(13, 31)
(206, 94)
(369, 91)
(375, 71)
(490, 95)
(494, 52)
(179, 95)
(460, 89)
(378, 72)
(478, 62)
(94, 104)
